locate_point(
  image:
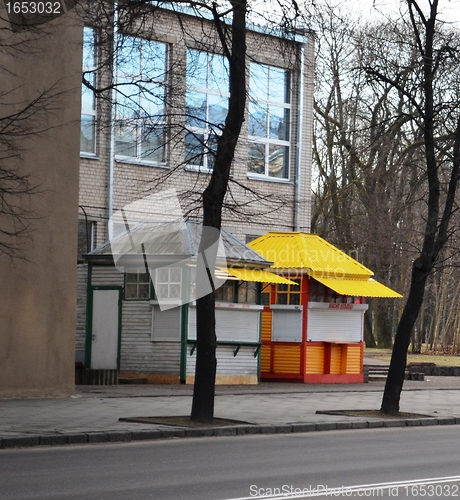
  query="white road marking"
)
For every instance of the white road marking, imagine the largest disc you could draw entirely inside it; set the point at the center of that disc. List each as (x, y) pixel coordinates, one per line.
(287, 492)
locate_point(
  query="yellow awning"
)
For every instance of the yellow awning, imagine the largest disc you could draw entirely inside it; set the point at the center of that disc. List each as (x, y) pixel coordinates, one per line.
(260, 275)
(358, 287)
(309, 252)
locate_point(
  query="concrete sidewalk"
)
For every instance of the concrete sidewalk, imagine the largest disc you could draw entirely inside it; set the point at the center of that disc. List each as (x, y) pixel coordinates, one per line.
(92, 414)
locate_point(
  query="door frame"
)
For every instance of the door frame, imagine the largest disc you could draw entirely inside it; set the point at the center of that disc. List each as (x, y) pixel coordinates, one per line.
(89, 321)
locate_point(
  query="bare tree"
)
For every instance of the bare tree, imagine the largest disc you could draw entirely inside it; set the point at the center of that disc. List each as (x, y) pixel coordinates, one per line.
(435, 107)
(363, 192)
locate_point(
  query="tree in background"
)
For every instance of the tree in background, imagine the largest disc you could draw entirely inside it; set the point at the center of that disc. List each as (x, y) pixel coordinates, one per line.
(365, 186)
(429, 83)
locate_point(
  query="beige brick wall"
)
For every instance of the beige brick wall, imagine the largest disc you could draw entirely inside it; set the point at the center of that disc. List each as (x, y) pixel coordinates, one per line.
(274, 204)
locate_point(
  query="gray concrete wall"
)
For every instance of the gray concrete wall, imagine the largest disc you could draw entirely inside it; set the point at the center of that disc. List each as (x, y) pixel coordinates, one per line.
(38, 291)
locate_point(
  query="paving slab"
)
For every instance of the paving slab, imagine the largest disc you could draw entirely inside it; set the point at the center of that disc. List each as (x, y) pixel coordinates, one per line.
(92, 414)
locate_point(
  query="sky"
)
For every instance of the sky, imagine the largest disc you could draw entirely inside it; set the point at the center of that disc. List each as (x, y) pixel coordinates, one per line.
(449, 9)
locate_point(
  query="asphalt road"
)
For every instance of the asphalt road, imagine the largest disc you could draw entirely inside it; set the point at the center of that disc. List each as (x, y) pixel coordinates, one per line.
(283, 466)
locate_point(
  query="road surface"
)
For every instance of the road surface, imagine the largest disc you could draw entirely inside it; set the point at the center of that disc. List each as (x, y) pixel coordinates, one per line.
(243, 467)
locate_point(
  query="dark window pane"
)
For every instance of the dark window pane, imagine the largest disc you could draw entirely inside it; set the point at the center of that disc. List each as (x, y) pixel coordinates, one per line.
(195, 109)
(281, 298)
(279, 123)
(87, 134)
(194, 148)
(256, 160)
(278, 161)
(153, 144)
(294, 299)
(126, 139)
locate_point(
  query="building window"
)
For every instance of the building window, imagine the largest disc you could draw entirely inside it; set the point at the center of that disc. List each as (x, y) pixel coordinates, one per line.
(168, 283)
(140, 127)
(226, 292)
(137, 285)
(288, 294)
(88, 100)
(206, 107)
(86, 238)
(320, 293)
(269, 121)
(242, 292)
(247, 292)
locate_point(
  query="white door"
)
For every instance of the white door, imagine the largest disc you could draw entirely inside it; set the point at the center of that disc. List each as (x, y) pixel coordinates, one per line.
(105, 328)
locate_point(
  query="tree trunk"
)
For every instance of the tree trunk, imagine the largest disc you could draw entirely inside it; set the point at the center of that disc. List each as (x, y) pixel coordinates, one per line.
(395, 378)
(213, 198)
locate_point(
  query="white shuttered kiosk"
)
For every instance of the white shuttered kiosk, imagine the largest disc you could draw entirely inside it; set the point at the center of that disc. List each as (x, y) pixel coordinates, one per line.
(331, 322)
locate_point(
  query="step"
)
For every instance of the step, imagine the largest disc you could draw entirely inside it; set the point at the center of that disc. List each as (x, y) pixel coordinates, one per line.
(132, 380)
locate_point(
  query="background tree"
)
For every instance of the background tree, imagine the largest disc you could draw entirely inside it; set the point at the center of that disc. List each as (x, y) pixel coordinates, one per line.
(433, 96)
(364, 191)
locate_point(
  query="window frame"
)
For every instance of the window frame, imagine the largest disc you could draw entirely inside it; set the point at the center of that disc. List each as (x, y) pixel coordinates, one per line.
(235, 288)
(209, 129)
(289, 292)
(169, 283)
(142, 121)
(136, 272)
(91, 69)
(266, 141)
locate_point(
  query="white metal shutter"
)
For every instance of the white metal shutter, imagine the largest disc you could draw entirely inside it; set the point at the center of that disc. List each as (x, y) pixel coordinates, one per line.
(335, 325)
(287, 323)
(166, 324)
(232, 324)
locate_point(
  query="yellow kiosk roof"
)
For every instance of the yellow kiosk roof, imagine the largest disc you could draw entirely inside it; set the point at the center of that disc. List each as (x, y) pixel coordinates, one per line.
(322, 261)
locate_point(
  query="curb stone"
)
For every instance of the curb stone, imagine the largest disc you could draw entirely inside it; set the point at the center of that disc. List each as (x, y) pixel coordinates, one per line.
(283, 429)
(53, 439)
(77, 438)
(145, 435)
(97, 437)
(119, 436)
(374, 424)
(20, 441)
(243, 430)
(326, 426)
(238, 430)
(344, 425)
(394, 423)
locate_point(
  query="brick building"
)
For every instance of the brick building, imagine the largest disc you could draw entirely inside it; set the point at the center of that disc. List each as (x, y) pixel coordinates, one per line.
(167, 117)
(155, 127)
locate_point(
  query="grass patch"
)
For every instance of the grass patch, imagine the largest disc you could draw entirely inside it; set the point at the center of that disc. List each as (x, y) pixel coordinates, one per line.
(437, 359)
(373, 414)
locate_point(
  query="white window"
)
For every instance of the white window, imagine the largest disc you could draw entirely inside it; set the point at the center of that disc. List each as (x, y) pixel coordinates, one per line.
(269, 122)
(140, 130)
(206, 107)
(168, 283)
(88, 101)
